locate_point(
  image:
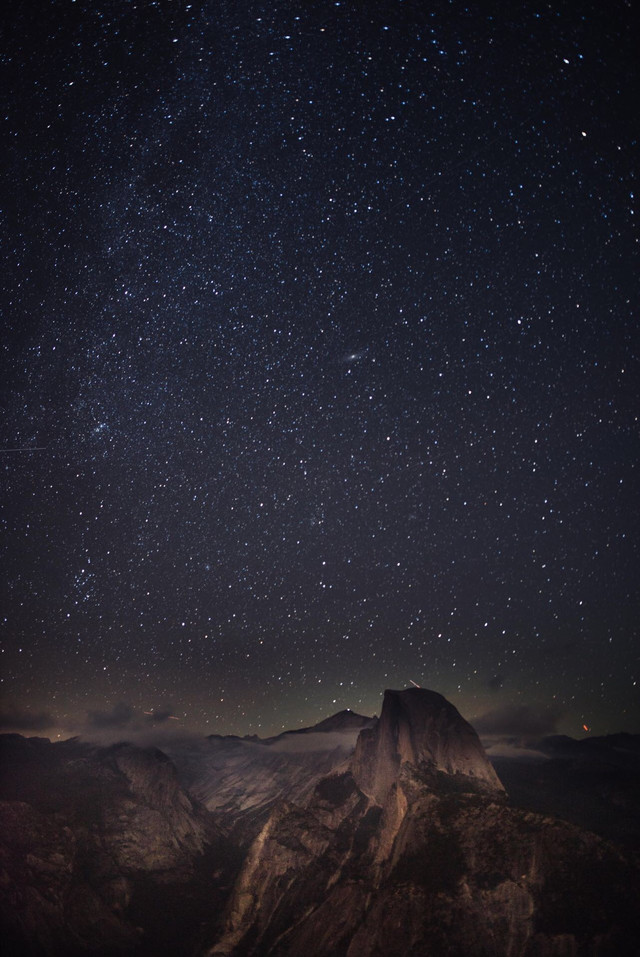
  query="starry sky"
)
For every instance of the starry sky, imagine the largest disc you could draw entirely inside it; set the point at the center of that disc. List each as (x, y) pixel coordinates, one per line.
(319, 363)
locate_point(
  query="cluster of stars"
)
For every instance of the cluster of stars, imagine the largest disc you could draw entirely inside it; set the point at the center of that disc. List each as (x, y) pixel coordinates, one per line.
(321, 363)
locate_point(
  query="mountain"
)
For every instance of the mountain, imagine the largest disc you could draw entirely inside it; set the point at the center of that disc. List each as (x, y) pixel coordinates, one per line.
(422, 729)
(621, 747)
(593, 783)
(346, 720)
(87, 836)
(357, 837)
(412, 849)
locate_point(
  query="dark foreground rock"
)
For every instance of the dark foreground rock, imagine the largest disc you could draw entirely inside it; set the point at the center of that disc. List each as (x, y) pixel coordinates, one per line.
(593, 783)
(85, 834)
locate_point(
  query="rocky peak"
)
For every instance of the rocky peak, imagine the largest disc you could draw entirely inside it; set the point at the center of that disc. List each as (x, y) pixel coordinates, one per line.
(423, 729)
(346, 720)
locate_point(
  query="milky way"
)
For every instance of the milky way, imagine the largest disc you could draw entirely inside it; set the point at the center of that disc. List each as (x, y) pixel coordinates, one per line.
(320, 362)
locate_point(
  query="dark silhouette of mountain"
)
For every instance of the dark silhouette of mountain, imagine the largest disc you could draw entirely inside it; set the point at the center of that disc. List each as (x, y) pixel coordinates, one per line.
(346, 720)
(593, 782)
(621, 746)
(357, 837)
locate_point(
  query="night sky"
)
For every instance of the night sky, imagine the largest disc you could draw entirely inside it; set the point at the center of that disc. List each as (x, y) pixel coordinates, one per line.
(319, 367)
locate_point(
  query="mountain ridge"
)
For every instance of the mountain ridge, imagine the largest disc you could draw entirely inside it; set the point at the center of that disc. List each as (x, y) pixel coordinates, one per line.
(411, 847)
(355, 837)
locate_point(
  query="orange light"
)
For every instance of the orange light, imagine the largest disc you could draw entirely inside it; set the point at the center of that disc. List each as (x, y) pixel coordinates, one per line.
(586, 727)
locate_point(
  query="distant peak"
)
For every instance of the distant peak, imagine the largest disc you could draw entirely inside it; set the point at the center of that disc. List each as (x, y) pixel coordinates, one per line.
(346, 720)
(343, 721)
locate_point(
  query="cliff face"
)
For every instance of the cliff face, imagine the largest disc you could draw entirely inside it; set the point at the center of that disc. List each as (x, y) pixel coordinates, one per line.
(463, 878)
(420, 728)
(413, 849)
(157, 826)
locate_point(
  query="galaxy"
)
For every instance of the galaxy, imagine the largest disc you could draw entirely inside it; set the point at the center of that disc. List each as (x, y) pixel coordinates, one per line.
(319, 367)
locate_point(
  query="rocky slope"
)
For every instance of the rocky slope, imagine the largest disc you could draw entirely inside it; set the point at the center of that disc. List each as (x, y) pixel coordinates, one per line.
(241, 779)
(83, 831)
(104, 851)
(414, 850)
(355, 838)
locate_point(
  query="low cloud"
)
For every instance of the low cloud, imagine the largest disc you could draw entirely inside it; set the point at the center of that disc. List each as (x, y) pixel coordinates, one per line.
(515, 730)
(518, 721)
(18, 719)
(124, 722)
(319, 741)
